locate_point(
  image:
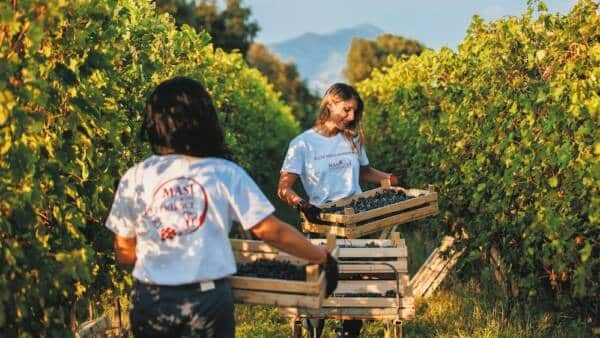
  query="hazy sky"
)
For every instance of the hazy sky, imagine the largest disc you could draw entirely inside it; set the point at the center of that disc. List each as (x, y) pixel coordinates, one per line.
(434, 22)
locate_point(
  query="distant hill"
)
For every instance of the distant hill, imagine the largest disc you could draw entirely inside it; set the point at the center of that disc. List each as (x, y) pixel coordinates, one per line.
(321, 57)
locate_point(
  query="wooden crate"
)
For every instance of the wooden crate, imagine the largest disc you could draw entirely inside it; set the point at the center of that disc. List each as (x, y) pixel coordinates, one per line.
(341, 305)
(435, 269)
(356, 225)
(268, 291)
(401, 307)
(391, 255)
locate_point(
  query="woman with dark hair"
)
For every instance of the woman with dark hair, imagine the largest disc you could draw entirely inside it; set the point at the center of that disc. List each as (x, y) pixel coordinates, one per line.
(172, 214)
(330, 160)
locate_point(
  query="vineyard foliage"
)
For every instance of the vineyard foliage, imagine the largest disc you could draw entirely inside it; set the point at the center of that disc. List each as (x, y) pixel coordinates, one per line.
(73, 79)
(507, 129)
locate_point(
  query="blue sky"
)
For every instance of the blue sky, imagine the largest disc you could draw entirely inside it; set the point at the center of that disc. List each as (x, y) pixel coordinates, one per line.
(433, 22)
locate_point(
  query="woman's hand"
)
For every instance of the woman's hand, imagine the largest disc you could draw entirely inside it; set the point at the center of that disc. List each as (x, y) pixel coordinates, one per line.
(332, 273)
(310, 211)
(394, 180)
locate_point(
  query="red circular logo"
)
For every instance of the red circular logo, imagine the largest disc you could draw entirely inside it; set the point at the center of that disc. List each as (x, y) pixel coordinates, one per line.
(178, 207)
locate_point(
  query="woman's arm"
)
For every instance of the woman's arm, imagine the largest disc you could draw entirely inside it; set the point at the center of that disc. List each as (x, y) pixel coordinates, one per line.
(285, 191)
(372, 175)
(125, 249)
(286, 238)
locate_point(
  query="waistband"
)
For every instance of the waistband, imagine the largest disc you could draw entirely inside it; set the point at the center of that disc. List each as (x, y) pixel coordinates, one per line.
(204, 285)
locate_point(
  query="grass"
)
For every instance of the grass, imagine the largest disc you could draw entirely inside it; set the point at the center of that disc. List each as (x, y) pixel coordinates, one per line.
(458, 309)
(467, 310)
(462, 310)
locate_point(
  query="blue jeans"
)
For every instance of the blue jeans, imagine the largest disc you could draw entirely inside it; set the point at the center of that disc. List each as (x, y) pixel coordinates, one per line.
(182, 311)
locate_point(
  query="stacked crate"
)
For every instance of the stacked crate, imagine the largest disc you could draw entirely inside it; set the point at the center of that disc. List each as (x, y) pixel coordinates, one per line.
(374, 282)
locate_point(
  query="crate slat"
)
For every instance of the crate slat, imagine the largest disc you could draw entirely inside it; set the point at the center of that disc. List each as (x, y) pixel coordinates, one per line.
(270, 298)
(346, 313)
(369, 302)
(360, 242)
(369, 268)
(362, 286)
(270, 284)
(334, 229)
(373, 252)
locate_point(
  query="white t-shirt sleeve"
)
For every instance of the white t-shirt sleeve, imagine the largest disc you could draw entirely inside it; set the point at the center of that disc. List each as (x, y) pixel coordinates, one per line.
(294, 159)
(362, 157)
(121, 220)
(247, 202)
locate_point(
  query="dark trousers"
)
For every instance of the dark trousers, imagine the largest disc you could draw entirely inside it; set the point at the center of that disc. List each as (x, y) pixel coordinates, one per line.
(182, 311)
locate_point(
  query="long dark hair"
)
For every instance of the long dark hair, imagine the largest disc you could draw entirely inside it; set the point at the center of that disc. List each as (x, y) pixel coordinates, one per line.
(342, 92)
(181, 118)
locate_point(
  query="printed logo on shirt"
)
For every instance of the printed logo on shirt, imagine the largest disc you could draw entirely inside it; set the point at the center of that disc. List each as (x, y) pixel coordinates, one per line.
(178, 207)
(320, 157)
(340, 164)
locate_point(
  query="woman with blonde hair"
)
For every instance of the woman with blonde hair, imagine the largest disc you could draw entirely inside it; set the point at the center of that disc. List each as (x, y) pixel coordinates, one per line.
(330, 160)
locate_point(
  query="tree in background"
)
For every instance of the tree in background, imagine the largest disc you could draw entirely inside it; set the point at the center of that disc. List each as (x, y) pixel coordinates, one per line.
(181, 10)
(285, 78)
(365, 55)
(230, 28)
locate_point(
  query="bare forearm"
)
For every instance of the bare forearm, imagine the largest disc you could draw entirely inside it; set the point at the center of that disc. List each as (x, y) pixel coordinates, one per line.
(285, 191)
(289, 196)
(286, 238)
(125, 250)
(372, 175)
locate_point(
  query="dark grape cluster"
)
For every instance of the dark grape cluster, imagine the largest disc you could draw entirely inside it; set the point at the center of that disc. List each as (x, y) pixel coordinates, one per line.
(372, 245)
(390, 293)
(266, 268)
(380, 199)
(387, 294)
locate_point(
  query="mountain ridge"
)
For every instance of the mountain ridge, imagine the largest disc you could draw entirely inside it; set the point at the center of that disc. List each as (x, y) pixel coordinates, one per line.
(321, 57)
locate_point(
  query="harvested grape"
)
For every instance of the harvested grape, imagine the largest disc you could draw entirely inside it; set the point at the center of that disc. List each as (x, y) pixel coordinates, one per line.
(379, 200)
(266, 268)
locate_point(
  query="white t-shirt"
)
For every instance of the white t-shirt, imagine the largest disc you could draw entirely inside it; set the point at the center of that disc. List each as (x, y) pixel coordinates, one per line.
(328, 167)
(190, 202)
